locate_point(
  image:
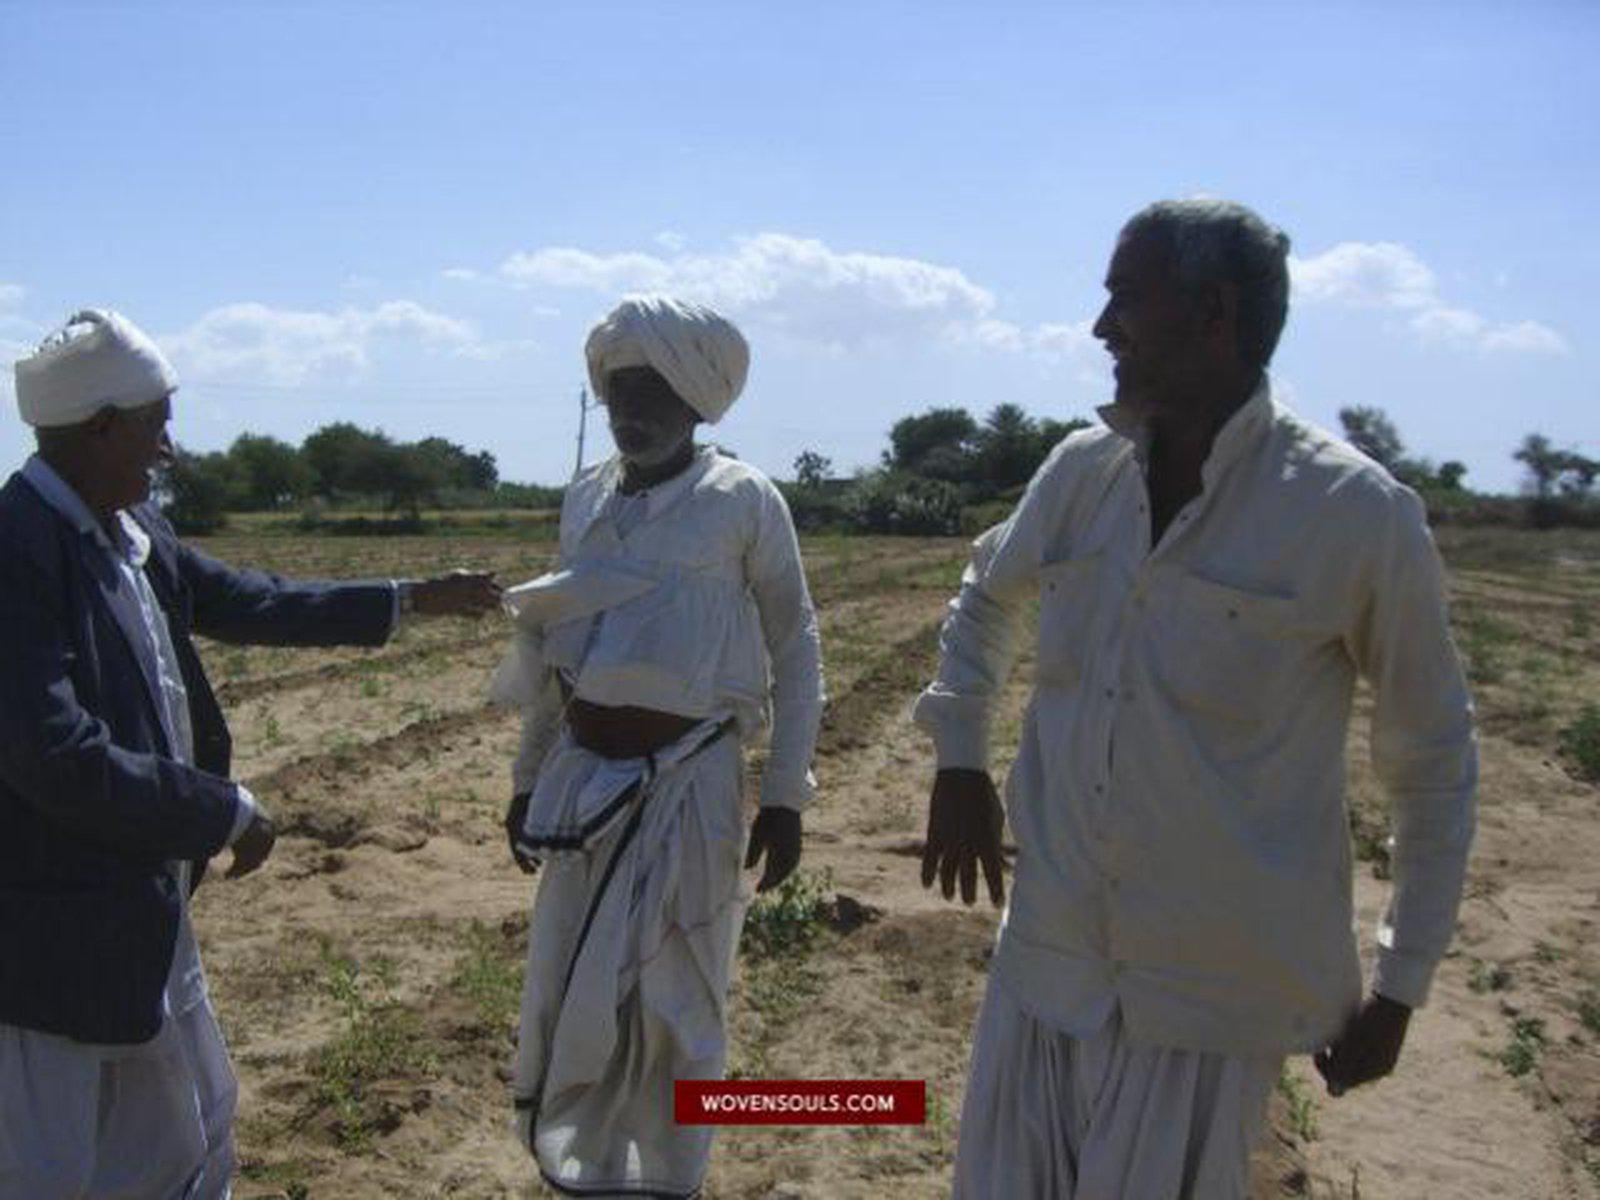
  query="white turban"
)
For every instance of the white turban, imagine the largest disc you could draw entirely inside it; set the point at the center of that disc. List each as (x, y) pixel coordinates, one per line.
(699, 353)
(98, 358)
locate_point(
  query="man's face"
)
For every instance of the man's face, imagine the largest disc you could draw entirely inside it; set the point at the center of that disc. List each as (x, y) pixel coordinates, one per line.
(648, 421)
(133, 445)
(1150, 327)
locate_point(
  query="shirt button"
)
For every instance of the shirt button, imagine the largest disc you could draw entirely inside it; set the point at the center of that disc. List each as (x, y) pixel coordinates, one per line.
(1111, 693)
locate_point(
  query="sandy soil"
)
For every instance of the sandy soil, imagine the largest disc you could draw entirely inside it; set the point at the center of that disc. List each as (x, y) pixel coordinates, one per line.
(367, 976)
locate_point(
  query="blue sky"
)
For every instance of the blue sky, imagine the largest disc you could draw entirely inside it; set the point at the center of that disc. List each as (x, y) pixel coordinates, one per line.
(407, 215)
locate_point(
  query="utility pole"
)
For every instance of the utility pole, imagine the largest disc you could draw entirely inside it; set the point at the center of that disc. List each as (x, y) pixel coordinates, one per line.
(583, 420)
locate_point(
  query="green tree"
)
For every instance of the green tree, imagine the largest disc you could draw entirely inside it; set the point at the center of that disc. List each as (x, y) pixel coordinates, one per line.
(193, 490)
(811, 470)
(1370, 431)
(346, 458)
(944, 435)
(270, 473)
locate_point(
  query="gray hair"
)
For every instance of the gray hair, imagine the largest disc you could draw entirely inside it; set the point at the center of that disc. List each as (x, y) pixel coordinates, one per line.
(1219, 241)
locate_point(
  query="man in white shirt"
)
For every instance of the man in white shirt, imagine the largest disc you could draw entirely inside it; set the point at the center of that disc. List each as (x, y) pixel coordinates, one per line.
(677, 627)
(1213, 574)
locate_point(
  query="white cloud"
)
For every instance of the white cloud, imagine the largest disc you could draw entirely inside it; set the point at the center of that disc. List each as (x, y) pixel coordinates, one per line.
(262, 344)
(1388, 275)
(11, 295)
(460, 274)
(797, 287)
(1526, 337)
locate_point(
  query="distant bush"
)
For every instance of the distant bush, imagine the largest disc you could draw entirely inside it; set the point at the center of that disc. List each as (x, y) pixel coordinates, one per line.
(818, 508)
(894, 502)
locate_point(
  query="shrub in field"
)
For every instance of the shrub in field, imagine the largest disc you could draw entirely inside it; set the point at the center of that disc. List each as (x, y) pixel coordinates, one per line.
(893, 502)
(1580, 742)
(786, 919)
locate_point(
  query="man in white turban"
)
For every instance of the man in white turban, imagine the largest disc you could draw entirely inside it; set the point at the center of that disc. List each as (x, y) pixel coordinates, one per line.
(677, 619)
(114, 787)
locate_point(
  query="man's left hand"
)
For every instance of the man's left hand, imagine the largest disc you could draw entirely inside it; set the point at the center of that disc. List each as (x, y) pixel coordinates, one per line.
(776, 832)
(1367, 1048)
(458, 594)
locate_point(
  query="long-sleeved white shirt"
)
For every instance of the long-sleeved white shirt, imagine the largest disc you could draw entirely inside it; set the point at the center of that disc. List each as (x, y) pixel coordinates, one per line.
(720, 623)
(1178, 800)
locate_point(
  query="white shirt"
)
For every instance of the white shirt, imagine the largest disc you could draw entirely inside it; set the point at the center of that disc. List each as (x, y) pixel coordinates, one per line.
(1178, 796)
(724, 625)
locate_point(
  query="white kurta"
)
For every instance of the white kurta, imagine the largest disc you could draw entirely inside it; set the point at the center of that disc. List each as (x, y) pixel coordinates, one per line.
(689, 598)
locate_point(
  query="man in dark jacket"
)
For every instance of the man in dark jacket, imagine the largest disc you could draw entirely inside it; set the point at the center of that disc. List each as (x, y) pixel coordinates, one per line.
(114, 788)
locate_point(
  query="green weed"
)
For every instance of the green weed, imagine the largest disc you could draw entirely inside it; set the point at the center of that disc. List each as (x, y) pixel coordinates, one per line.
(378, 1039)
(1302, 1105)
(1489, 977)
(489, 975)
(1522, 1052)
(1580, 742)
(786, 920)
(1589, 1011)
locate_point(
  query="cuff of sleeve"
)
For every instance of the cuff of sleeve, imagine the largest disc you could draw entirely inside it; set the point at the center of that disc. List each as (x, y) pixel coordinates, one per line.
(1403, 978)
(244, 811)
(788, 793)
(959, 728)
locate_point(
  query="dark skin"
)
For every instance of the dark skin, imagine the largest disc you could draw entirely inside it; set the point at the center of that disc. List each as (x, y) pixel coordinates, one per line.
(654, 432)
(1178, 368)
(108, 461)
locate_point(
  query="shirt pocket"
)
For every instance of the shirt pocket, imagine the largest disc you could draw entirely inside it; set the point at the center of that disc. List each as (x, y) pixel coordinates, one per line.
(1228, 651)
(1066, 619)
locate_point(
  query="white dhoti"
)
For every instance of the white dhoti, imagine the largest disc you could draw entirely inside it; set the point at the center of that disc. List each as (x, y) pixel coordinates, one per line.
(152, 1121)
(1048, 1116)
(629, 953)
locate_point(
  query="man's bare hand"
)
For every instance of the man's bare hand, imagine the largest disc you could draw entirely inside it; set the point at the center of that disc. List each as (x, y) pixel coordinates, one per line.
(252, 846)
(458, 594)
(964, 823)
(516, 813)
(1367, 1048)
(776, 833)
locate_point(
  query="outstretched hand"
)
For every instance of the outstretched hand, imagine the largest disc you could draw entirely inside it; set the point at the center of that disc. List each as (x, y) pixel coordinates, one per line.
(775, 833)
(1367, 1048)
(964, 823)
(458, 594)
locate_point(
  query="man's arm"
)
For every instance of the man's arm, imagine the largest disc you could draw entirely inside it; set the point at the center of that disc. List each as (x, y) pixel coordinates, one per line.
(794, 646)
(60, 759)
(1425, 755)
(978, 647)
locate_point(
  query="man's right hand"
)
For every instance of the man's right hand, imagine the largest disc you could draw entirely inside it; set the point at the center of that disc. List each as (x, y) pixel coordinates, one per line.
(252, 846)
(964, 823)
(515, 815)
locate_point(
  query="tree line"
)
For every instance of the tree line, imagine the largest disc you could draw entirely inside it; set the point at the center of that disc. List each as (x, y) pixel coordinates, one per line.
(944, 472)
(339, 465)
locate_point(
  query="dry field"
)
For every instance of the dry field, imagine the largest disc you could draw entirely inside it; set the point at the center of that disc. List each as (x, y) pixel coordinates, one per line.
(368, 975)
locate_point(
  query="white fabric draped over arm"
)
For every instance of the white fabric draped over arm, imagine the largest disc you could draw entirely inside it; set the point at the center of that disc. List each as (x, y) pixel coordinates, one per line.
(794, 646)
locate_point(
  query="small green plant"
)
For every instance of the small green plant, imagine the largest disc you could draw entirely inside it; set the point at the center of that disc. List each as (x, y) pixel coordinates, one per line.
(785, 920)
(1545, 953)
(1522, 1052)
(1484, 639)
(1580, 742)
(378, 1039)
(489, 975)
(1489, 977)
(1301, 1104)
(1580, 624)
(1589, 1010)
(271, 732)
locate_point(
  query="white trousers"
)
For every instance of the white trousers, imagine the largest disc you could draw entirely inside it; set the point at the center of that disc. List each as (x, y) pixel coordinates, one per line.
(629, 953)
(1051, 1117)
(147, 1122)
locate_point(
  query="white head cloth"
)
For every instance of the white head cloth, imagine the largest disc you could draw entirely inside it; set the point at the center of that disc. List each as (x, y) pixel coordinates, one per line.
(98, 358)
(698, 352)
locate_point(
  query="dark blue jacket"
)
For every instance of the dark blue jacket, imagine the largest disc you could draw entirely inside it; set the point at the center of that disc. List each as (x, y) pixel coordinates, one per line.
(93, 805)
